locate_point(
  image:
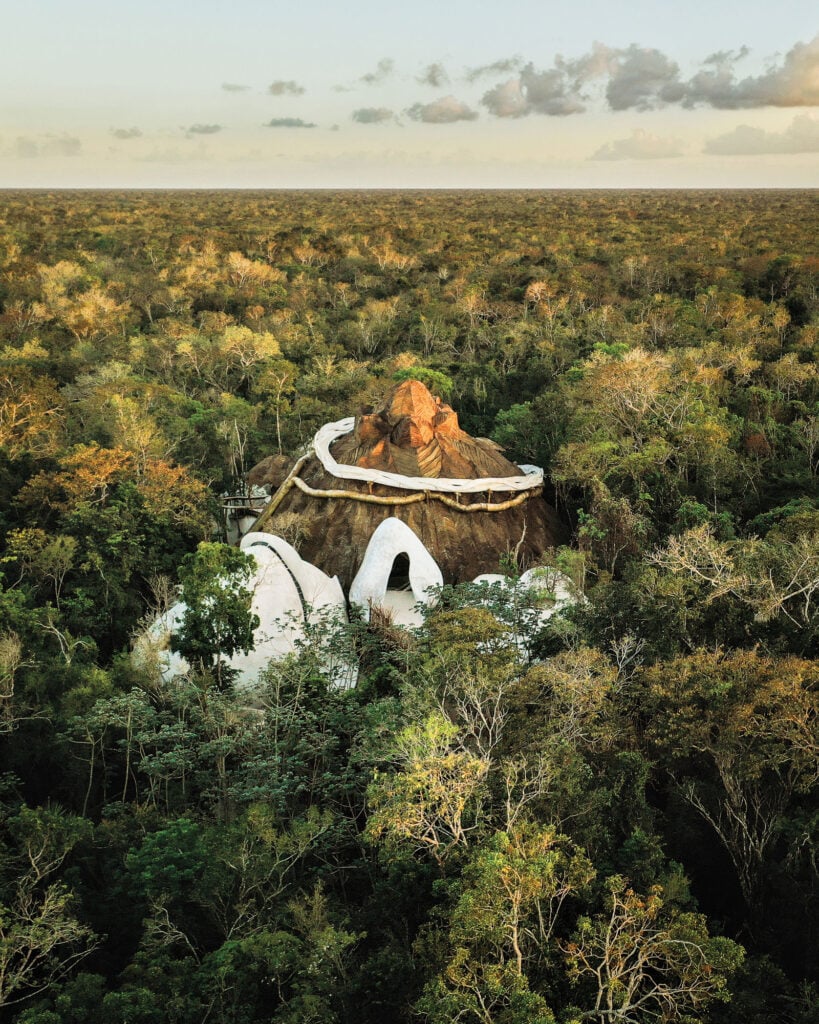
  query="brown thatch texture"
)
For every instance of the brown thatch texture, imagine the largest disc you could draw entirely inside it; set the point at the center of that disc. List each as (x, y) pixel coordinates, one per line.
(415, 434)
(336, 531)
(270, 472)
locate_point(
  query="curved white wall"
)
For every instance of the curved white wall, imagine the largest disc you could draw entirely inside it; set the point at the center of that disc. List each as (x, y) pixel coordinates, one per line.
(288, 595)
(391, 538)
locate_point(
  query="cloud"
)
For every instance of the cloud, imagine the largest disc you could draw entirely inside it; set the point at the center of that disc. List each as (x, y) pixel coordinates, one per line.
(434, 75)
(204, 129)
(794, 83)
(372, 115)
(552, 92)
(643, 78)
(285, 88)
(28, 148)
(443, 111)
(126, 133)
(506, 99)
(640, 79)
(234, 87)
(801, 136)
(385, 68)
(499, 67)
(639, 145)
(599, 62)
(289, 122)
(556, 91)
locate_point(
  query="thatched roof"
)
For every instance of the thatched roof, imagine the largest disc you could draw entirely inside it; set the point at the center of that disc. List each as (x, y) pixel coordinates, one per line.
(415, 435)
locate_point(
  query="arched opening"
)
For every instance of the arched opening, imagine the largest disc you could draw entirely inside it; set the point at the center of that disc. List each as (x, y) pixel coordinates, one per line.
(399, 578)
(396, 574)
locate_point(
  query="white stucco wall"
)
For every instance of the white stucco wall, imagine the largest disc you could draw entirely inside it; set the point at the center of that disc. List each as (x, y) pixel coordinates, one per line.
(391, 538)
(289, 595)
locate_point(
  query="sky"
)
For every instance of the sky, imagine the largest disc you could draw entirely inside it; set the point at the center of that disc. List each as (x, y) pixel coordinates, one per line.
(423, 94)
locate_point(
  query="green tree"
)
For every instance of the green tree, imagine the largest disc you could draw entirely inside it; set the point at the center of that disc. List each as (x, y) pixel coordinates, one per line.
(218, 620)
(41, 938)
(644, 962)
(502, 926)
(738, 734)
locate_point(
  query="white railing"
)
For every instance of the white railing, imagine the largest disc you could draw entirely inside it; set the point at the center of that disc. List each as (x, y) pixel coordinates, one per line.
(532, 475)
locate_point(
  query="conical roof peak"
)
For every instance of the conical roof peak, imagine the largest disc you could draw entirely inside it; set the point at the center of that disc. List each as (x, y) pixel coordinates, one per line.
(416, 434)
(414, 399)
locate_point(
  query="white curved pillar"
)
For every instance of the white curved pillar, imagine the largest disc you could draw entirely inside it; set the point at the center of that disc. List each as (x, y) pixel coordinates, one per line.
(390, 539)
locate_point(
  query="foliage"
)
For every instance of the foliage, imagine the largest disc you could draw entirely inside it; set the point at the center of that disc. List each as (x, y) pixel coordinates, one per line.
(438, 383)
(645, 963)
(508, 819)
(217, 621)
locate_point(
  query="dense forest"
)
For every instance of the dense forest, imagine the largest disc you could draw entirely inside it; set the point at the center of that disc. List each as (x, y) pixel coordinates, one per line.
(611, 818)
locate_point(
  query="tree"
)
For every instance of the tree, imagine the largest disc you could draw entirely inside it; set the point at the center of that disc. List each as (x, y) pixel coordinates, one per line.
(739, 734)
(778, 576)
(643, 962)
(501, 928)
(217, 621)
(41, 557)
(431, 802)
(276, 385)
(30, 413)
(86, 476)
(41, 940)
(11, 661)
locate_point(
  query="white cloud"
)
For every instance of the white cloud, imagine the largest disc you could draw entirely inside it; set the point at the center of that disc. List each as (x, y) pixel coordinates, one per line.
(639, 145)
(801, 136)
(383, 71)
(643, 78)
(506, 66)
(288, 122)
(443, 111)
(794, 83)
(506, 99)
(434, 74)
(552, 92)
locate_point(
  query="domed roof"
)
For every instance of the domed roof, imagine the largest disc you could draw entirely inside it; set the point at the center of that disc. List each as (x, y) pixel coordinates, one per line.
(477, 508)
